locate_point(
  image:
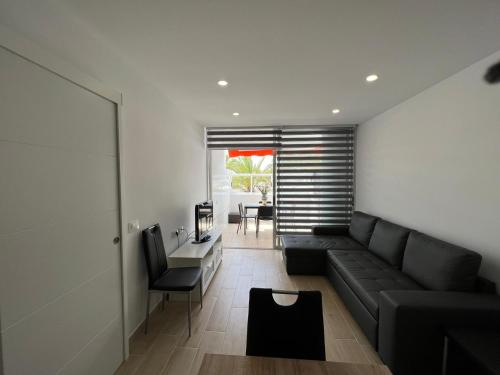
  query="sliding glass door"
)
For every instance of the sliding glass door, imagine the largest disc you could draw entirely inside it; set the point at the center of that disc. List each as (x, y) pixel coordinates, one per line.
(242, 185)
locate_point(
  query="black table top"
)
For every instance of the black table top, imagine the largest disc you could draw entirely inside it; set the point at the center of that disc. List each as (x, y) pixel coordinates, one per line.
(481, 344)
(257, 205)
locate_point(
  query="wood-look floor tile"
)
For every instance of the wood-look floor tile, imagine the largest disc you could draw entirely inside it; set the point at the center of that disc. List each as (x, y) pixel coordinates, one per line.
(259, 274)
(337, 327)
(236, 259)
(345, 351)
(272, 278)
(216, 283)
(358, 333)
(177, 318)
(301, 282)
(220, 327)
(242, 291)
(231, 279)
(180, 361)
(247, 266)
(130, 366)
(158, 356)
(199, 323)
(236, 335)
(240, 240)
(141, 343)
(211, 343)
(220, 315)
(371, 355)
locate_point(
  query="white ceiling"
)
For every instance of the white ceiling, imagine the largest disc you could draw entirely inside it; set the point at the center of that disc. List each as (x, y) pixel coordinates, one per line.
(292, 61)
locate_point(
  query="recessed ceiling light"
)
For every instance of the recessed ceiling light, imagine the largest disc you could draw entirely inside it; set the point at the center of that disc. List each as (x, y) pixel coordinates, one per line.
(236, 114)
(222, 83)
(371, 78)
(335, 111)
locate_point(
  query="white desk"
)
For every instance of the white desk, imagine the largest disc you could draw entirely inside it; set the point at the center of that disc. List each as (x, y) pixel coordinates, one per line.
(206, 255)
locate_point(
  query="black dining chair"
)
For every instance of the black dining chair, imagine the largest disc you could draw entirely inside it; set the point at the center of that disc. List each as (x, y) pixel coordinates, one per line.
(263, 213)
(244, 218)
(163, 279)
(294, 331)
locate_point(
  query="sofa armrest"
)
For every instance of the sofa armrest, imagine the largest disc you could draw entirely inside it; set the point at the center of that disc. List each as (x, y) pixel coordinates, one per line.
(411, 325)
(330, 230)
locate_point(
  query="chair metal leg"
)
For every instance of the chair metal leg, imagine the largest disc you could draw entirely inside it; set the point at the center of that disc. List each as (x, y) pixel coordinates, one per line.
(239, 225)
(257, 227)
(189, 312)
(245, 227)
(147, 315)
(201, 295)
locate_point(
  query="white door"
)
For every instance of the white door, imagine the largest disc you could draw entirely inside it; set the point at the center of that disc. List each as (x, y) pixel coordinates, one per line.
(60, 289)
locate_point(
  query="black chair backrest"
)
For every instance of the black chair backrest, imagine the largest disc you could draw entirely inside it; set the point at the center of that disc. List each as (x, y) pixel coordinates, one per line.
(294, 331)
(240, 208)
(154, 251)
(265, 211)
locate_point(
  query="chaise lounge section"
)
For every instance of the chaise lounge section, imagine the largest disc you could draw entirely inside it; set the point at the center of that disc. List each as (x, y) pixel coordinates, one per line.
(401, 286)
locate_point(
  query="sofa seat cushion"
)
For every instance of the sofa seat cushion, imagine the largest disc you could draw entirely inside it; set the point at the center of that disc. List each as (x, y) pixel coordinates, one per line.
(346, 243)
(306, 244)
(367, 275)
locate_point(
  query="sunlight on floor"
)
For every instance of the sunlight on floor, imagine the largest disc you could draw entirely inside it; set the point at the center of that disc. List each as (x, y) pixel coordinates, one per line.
(240, 240)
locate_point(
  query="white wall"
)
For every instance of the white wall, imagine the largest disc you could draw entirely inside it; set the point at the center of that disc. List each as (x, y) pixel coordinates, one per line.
(432, 163)
(164, 157)
(221, 186)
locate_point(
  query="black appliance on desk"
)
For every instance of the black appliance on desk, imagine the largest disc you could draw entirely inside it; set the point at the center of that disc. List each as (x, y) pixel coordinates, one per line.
(203, 221)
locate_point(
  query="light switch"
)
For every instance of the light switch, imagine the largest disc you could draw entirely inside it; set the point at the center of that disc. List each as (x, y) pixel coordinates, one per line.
(133, 226)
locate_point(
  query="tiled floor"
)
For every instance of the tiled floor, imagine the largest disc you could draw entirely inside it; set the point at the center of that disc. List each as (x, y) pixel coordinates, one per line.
(220, 327)
(240, 240)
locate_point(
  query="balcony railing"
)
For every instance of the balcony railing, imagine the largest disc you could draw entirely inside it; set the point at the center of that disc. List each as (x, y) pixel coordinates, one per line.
(248, 182)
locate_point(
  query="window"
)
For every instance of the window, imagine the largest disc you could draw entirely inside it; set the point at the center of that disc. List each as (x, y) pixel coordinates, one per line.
(250, 173)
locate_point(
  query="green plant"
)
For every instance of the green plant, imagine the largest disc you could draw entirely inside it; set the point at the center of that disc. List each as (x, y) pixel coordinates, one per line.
(247, 165)
(263, 188)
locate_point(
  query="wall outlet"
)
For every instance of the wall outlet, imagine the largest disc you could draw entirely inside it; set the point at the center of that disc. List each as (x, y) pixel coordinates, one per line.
(133, 226)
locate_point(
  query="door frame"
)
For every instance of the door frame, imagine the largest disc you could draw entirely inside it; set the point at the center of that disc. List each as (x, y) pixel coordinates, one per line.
(208, 159)
(31, 52)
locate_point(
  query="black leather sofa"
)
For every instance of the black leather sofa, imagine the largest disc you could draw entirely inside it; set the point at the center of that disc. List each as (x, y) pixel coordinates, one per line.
(401, 286)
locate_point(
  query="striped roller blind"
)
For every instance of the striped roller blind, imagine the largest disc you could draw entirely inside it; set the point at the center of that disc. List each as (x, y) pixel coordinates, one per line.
(314, 177)
(314, 171)
(242, 138)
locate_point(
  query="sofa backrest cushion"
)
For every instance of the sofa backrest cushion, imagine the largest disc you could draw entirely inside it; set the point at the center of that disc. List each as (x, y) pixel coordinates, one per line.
(388, 242)
(361, 227)
(438, 265)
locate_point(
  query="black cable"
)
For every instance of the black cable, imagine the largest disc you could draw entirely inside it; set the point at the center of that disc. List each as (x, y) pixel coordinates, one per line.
(188, 236)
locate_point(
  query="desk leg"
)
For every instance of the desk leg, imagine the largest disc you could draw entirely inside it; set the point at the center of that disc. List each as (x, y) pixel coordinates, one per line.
(245, 228)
